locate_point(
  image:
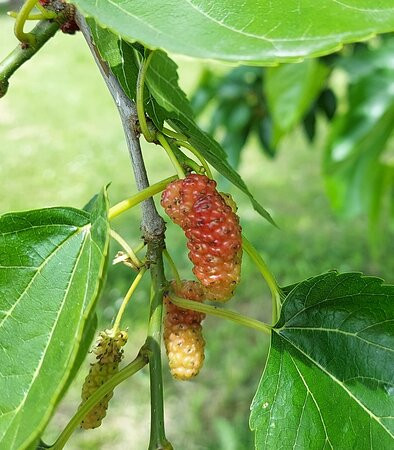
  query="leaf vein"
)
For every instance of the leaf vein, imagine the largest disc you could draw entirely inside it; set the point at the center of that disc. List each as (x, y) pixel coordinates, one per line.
(336, 380)
(40, 362)
(334, 330)
(8, 313)
(314, 401)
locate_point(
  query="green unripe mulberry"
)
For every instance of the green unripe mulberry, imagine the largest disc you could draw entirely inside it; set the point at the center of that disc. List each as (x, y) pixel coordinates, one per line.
(109, 353)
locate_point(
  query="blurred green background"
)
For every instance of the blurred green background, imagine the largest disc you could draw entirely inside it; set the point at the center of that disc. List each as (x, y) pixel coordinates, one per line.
(61, 141)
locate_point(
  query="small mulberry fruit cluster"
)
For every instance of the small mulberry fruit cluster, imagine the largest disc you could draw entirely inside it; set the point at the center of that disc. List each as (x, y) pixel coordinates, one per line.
(183, 332)
(213, 232)
(109, 353)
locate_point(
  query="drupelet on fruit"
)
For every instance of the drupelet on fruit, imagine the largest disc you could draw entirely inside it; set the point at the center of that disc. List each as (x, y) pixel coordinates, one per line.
(213, 232)
(183, 332)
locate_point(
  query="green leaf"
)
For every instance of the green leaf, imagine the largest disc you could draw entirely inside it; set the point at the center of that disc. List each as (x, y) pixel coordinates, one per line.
(329, 378)
(264, 132)
(248, 32)
(162, 81)
(51, 266)
(291, 89)
(123, 60)
(354, 163)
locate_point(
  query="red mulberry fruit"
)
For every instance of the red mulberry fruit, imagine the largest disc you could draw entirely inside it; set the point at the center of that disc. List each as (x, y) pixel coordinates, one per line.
(213, 232)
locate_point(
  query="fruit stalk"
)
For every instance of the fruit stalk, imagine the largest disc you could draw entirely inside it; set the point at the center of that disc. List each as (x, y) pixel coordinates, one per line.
(220, 312)
(141, 196)
(140, 361)
(127, 297)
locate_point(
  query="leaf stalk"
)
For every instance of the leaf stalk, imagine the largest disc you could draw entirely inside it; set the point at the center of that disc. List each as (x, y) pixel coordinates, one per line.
(140, 98)
(223, 313)
(126, 299)
(20, 20)
(141, 196)
(43, 31)
(164, 143)
(268, 276)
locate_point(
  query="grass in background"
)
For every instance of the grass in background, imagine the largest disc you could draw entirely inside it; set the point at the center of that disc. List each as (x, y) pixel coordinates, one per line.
(61, 140)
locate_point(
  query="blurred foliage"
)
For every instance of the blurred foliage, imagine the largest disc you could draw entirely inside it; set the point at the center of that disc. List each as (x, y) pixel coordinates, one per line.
(268, 102)
(293, 90)
(240, 108)
(9, 5)
(358, 168)
(271, 102)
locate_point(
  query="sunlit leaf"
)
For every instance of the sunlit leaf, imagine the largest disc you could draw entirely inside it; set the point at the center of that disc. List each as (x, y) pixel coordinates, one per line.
(243, 32)
(354, 164)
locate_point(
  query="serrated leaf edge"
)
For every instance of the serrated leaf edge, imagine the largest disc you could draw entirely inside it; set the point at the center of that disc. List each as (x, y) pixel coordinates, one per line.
(334, 274)
(272, 62)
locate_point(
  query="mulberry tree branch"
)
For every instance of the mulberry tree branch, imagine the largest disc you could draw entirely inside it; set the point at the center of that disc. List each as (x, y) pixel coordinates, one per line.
(153, 229)
(42, 32)
(152, 224)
